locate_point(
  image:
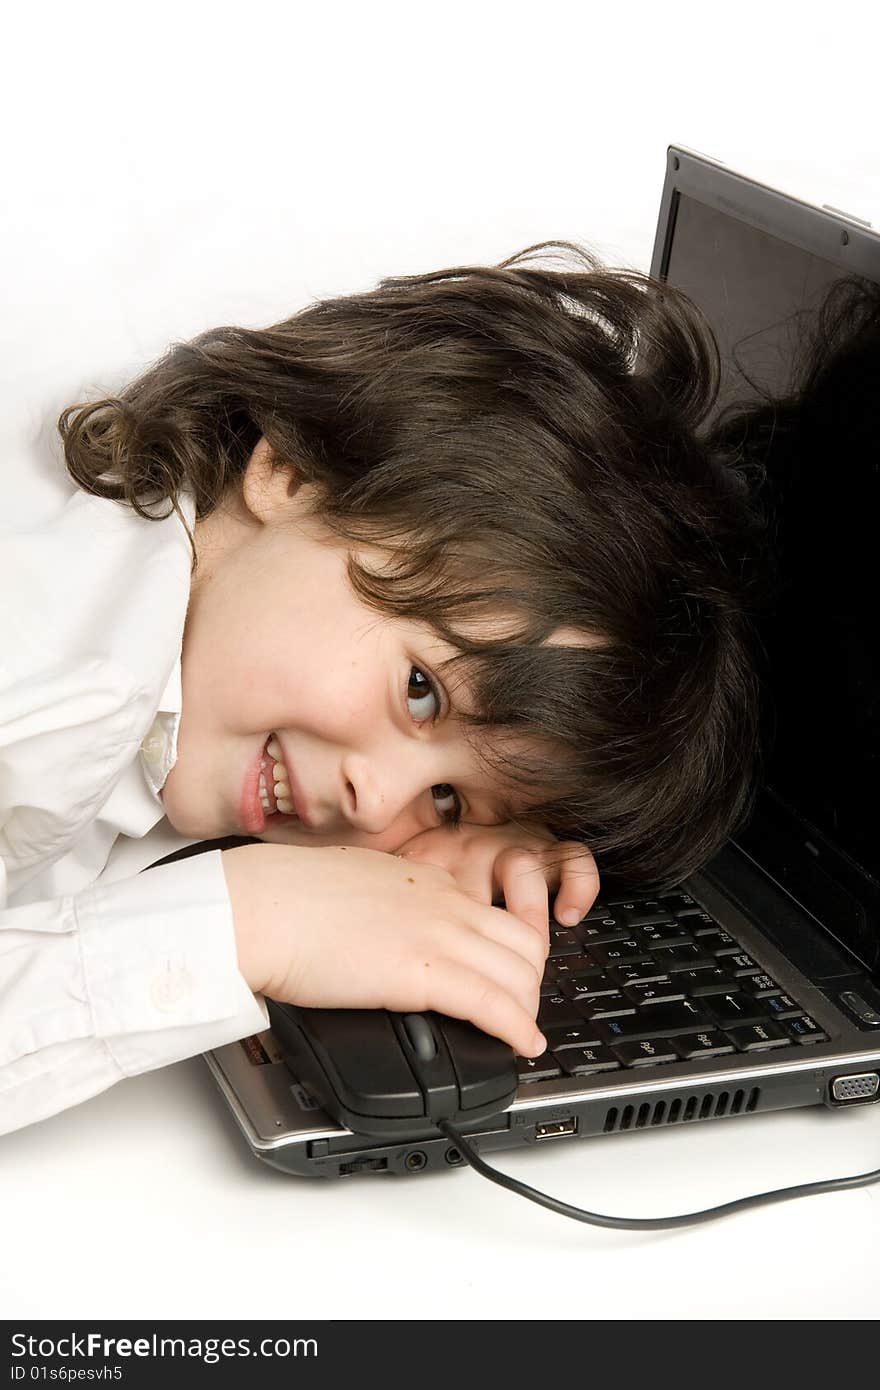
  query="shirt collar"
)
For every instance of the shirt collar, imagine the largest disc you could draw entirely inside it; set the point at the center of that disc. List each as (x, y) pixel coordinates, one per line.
(159, 749)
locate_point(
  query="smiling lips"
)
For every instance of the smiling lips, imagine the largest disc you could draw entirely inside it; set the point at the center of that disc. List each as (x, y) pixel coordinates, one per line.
(275, 793)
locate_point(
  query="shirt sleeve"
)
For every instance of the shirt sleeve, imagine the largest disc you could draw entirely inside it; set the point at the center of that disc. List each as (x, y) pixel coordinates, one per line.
(118, 979)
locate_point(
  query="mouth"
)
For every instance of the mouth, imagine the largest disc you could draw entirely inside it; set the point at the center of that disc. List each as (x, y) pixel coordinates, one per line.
(267, 793)
(274, 783)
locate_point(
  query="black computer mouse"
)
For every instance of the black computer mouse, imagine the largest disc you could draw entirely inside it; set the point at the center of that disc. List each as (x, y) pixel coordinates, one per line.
(382, 1073)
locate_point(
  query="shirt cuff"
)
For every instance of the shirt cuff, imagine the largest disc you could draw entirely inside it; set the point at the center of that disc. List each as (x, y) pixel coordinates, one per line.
(161, 967)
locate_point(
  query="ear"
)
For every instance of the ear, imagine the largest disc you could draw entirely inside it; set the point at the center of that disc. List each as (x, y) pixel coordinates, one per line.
(268, 490)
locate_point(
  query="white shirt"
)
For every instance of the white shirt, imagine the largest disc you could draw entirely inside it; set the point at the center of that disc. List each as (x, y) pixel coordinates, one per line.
(104, 971)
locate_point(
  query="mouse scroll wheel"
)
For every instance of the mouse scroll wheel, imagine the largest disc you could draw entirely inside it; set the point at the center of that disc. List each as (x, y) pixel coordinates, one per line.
(421, 1036)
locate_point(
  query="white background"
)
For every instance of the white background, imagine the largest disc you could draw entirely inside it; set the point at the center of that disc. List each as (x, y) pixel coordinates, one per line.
(170, 167)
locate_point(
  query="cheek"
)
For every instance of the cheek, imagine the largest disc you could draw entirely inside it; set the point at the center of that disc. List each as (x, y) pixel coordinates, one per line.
(180, 804)
(341, 700)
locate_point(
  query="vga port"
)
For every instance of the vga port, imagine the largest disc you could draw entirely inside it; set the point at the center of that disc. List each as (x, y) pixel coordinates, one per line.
(863, 1086)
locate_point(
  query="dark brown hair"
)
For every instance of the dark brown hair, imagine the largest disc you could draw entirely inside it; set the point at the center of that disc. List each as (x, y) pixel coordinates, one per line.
(522, 440)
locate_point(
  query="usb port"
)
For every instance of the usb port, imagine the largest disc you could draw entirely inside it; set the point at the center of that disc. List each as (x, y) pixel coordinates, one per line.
(555, 1129)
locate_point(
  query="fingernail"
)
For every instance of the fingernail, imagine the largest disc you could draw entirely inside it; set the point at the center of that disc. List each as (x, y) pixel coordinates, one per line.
(570, 917)
(540, 1045)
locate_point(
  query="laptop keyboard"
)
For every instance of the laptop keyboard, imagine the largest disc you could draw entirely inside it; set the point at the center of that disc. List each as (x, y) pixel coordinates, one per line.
(641, 982)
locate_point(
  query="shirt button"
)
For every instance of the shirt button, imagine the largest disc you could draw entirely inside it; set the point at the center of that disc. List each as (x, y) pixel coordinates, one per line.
(170, 989)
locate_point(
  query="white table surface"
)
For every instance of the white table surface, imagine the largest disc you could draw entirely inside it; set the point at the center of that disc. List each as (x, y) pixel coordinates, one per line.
(145, 1202)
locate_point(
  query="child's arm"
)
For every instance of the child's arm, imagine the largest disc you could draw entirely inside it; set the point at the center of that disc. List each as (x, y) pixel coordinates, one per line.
(348, 927)
(128, 976)
(514, 861)
(116, 980)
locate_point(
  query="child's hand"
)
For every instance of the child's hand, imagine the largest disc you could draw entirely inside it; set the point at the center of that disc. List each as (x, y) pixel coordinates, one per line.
(356, 928)
(490, 860)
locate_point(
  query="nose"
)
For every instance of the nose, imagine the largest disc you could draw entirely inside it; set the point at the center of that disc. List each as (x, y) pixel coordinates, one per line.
(377, 790)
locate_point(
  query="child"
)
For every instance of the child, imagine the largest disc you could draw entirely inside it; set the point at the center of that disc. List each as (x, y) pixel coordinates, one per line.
(467, 605)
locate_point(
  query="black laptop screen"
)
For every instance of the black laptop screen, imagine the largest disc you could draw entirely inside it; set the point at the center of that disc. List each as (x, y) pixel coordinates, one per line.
(800, 345)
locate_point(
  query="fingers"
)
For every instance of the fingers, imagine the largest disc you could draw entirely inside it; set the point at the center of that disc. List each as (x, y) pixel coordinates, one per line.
(521, 877)
(578, 883)
(522, 870)
(501, 926)
(499, 961)
(481, 999)
(475, 879)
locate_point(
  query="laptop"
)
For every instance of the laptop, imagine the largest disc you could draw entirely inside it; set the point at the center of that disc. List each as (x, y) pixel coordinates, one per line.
(755, 984)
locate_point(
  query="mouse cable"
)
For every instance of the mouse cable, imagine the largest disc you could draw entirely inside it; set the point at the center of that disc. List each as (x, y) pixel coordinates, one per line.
(648, 1223)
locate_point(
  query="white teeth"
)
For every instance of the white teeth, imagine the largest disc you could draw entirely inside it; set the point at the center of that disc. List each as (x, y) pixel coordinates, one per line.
(280, 782)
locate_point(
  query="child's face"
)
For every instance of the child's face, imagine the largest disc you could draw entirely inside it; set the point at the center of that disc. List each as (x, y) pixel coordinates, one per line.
(276, 643)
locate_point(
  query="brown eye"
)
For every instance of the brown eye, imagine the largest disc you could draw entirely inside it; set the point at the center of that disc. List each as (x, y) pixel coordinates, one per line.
(447, 802)
(420, 692)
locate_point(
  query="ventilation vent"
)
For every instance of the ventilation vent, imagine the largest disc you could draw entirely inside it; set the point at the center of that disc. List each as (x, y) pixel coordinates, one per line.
(706, 1106)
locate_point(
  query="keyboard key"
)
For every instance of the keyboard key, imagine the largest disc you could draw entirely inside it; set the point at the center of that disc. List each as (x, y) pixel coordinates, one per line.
(581, 1061)
(758, 1037)
(641, 913)
(597, 911)
(759, 985)
(555, 1011)
(682, 958)
(588, 987)
(665, 934)
(609, 1006)
(655, 993)
(700, 923)
(680, 904)
(741, 964)
(647, 1052)
(542, 1068)
(805, 1029)
(628, 952)
(563, 942)
(782, 1006)
(637, 974)
(720, 943)
(712, 1043)
(731, 1010)
(713, 937)
(576, 1035)
(566, 966)
(659, 1021)
(601, 932)
(610, 921)
(699, 983)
